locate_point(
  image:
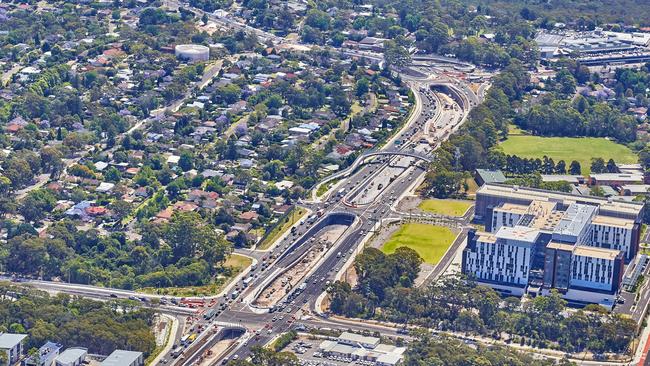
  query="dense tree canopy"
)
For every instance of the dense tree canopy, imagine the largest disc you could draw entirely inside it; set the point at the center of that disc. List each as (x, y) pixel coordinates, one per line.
(384, 292)
(99, 326)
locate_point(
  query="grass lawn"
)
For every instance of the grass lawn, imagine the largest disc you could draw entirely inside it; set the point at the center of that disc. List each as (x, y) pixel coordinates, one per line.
(473, 187)
(445, 207)
(282, 227)
(237, 262)
(325, 187)
(582, 149)
(429, 241)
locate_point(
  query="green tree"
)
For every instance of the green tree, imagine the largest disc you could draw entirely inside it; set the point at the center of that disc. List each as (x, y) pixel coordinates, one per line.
(190, 237)
(186, 161)
(37, 204)
(363, 86)
(575, 168)
(598, 165)
(395, 54)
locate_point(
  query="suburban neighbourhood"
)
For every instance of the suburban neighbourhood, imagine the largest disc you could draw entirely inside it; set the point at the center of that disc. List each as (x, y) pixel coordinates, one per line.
(380, 183)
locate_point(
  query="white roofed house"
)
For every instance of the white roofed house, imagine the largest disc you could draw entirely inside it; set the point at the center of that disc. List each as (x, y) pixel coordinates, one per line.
(124, 358)
(74, 356)
(12, 346)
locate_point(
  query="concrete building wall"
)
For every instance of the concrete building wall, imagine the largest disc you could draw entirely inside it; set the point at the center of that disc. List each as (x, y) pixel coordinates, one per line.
(592, 273)
(502, 217)
(612, 237)
(504, 261)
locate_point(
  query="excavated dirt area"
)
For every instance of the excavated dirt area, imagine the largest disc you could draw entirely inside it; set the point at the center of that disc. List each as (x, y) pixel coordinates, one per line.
(294, 276)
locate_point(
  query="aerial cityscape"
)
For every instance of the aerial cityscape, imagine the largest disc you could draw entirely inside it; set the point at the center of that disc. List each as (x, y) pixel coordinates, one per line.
(324, 183)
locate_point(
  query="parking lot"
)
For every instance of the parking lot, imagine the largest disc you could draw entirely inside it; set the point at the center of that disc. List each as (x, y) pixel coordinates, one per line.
(307, 352)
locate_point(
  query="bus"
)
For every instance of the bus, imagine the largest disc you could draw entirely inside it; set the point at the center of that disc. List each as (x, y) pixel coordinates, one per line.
(248, 280)
(184, 339)
(177, 351)
(209, 314)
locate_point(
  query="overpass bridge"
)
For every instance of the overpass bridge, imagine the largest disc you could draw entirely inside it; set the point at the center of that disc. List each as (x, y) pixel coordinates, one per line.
(395, 152)
(370, 154)
(615, 59)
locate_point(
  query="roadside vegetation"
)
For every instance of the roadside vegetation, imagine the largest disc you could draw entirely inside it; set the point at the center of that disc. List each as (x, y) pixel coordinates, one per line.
(75, 322)
(385, 292)
(284, 340)
(232, 267)
(296, 214)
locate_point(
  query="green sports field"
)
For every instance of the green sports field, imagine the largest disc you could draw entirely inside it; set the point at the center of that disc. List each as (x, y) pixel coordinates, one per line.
(582, 149)
(429, 241)
(445, 207)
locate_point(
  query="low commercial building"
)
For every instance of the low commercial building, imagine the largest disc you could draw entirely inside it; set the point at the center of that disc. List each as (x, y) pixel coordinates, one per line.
(356, 347)
(482, 176)
(124, 358)
(12, 345)
(616, 179)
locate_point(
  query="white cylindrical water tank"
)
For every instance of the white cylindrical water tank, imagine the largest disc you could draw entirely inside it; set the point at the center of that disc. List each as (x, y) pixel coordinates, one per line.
(192, 52)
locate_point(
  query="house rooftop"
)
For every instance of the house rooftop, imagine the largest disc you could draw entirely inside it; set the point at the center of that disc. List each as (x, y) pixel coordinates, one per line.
(120, 358)
(491, 176)
(10, 340)
(71, 355)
